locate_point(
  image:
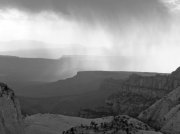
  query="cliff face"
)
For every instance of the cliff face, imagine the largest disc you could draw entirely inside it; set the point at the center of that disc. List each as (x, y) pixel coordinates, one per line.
(10, 114)
(165, 113)
(157, 82)
(172, 123)
(138, 92)
(160, 83)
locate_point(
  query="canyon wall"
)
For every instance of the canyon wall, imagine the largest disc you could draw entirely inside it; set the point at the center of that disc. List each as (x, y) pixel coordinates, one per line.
(10, 114)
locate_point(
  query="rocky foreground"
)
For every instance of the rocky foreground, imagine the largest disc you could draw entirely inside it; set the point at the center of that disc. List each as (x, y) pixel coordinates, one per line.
(59, 124)
(56, 124)
(118, 125)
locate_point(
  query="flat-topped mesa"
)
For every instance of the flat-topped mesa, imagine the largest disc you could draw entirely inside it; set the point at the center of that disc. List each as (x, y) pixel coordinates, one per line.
(10, 112)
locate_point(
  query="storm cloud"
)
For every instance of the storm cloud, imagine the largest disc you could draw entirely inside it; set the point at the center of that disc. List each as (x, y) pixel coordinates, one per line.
(146, 31)
(93, 10)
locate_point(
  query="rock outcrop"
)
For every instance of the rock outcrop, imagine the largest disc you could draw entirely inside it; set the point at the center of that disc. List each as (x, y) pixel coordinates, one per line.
(166, 82)
(165, 113)
(119, 125)
(129, 103)
(138, 92)
(10, 113)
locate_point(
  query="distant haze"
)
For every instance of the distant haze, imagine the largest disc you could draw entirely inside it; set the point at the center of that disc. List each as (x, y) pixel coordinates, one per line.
(143, 34)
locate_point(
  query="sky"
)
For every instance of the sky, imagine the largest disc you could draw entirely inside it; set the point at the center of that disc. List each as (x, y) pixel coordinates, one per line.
(144, 32)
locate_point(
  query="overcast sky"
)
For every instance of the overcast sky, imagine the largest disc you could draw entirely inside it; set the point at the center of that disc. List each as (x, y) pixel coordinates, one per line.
(146, 31)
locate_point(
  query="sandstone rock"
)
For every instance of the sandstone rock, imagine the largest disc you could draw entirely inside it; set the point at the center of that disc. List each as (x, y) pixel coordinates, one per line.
(165, 113)
(10, 113)
(172, 124)
(148, 89)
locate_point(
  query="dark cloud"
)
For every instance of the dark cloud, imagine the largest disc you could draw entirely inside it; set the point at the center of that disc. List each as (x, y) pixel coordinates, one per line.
(139, 25)
(92, 9)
